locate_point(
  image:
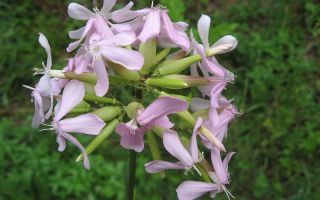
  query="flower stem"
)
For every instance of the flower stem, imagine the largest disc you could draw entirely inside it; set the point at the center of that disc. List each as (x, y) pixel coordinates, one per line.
(132, 175)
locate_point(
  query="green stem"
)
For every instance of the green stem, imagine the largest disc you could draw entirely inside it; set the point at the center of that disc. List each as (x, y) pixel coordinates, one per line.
(132, 175)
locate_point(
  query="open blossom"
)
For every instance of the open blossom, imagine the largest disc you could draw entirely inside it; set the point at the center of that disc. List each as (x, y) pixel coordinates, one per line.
(43, 94)
(155, 23)
(172, 143)
(87, 123)
(189, 190)
(96, 21)
(224, 113)
(111, 49)
(154, 115)
(223, 45)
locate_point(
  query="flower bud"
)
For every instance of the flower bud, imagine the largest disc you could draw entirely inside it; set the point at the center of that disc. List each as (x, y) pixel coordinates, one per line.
(176, 66)
(148, 50)
(132, 109)
(125, 73)
(107, 113)
(177, 81)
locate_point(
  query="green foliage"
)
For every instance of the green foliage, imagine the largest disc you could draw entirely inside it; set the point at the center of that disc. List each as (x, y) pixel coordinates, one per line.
(276, 139)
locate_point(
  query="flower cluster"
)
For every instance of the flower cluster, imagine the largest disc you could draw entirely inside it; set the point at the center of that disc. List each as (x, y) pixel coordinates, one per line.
(141, 48)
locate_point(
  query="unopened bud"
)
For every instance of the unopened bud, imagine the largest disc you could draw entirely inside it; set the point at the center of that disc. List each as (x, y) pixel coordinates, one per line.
(107, 113)
(132, 109)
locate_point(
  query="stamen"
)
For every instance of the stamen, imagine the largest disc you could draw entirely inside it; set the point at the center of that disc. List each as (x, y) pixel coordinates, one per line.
(28, 87)
(39, 71)
(227, 192)
(197, 170)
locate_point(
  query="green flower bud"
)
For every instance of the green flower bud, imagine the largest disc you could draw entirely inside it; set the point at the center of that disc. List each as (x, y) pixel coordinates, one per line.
(107, 113)
(148, 50)
(132, 109)
(176, 66)
(125, 73)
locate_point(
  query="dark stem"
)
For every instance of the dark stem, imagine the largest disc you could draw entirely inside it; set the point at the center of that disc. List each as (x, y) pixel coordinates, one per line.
(132, 174)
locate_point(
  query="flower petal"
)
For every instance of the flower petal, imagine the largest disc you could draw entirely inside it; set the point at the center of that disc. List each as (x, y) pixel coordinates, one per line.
(124, 38)
(151, 27)
(198, 104)
(129, 59)
(163, 122)
(38, 116)
(61, 142)
(189, 190)
(161, 107)
(218, 166)
(107, 6)
(76, 34)
(102, 84)
(173, 145)
(129, 139)
(73, 140)
(159, 166)
(177, 35)
(79, 12)
(72, 46)
(193, 146)
(226, 160)
(87, 124)
(72, 95)
(203, 28)
(124, 14)
(45, 44)
(225, 44)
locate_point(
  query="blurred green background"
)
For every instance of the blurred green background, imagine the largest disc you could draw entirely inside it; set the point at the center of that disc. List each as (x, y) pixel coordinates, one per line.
(277, 87)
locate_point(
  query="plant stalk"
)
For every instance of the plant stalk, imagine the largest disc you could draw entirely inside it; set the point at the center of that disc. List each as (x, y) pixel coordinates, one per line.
(132, 175)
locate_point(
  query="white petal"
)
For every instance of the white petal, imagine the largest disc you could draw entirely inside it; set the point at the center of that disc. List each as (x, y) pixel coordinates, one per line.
(79, 12)
(224, 44)
(203, 28)
(45, 44)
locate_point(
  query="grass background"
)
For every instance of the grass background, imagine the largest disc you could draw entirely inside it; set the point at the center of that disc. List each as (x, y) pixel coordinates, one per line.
(278, 88)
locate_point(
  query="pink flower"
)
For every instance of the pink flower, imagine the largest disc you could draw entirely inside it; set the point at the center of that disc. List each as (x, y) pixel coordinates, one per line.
(88, 123)
(111, 49)
(96, 21)
(155, 23)
(155, 114)
(189, 190)
(172, 143)
(223, 115)
(43, 94)
(223, 45)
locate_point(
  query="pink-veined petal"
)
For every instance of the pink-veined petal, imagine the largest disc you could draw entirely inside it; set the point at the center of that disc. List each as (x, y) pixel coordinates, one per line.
(107, 6)
(130, 59)
(121, 27)
(76, 34)
(74, 141)
(72, 95)
(72, 46)
(219, 169)
(177, 35)
(102, 28)
(130, 139)
(79, 12)
(45, 44)
(203, 28)
(38, 116)
(189, 190)
(124, 38)
(61, 142)
(225, 44)
(226, 160)
(193, 146)
(173, 145)
(102, 85)
(161, 107)
(151, 27)
(199, 48)
(214, 68)
(159, 166)
(124, 14)
(198, 104)
(163, 122)
(87, 124)
(44, 86)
